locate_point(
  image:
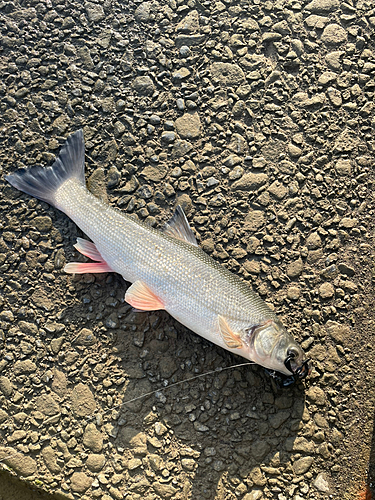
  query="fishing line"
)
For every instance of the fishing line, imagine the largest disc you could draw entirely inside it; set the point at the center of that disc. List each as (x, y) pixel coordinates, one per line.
(162, 389)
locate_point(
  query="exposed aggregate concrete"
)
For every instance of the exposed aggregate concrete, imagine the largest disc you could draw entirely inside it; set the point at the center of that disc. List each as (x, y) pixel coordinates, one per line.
(258, 118)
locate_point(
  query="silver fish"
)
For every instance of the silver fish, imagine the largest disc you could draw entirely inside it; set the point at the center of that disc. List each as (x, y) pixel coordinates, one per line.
(167, 269)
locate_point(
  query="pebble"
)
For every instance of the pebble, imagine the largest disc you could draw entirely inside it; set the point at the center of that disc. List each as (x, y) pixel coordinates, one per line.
(321, 483)
(188, 126)
(49, 457)
(143, 85)
(326, 291)
(250, 182)
(323, 5)
(93, 438)
(22, 465)
(80, 482)
(294, 269)
(228, 74)
(334, 34)
(83, 402)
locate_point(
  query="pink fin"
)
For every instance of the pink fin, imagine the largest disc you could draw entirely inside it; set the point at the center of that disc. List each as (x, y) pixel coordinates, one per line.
(140, 297)
(88, 249)
(87, 267)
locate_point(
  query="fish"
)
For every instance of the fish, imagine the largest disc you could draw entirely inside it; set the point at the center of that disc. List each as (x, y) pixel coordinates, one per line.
(167, 268)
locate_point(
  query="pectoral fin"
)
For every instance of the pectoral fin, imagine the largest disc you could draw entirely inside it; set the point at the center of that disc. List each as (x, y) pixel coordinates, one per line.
(232, 341)
(142, 298)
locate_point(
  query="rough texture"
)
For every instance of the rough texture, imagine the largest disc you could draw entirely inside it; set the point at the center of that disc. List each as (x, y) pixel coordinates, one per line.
(257, 117)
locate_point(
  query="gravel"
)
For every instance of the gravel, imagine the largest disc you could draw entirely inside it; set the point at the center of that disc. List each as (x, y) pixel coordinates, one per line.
(256, 117)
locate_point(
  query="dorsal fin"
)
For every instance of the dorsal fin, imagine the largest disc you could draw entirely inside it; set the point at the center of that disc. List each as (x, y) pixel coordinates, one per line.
(179, 228)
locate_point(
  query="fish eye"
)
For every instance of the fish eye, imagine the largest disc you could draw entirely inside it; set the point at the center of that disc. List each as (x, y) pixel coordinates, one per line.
(293, 353)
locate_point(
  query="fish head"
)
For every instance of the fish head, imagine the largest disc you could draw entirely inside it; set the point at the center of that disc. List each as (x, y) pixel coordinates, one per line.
(274, 348)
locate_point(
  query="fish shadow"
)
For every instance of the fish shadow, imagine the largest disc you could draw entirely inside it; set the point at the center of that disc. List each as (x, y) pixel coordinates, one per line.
(205, 426)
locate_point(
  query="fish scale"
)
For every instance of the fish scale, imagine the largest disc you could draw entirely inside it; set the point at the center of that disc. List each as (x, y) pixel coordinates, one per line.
(194, 288)
(167, 268)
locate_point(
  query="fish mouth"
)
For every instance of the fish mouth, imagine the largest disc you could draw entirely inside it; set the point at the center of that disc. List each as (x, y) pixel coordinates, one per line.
(299, 373)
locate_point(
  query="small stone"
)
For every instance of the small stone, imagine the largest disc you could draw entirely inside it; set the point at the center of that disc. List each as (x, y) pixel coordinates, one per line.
(188, 464)
(343, 167)
(317, 22)
(327, 77)
(160, 429)
(56, 344)
(16, 436)
(334, 34)
(155, 173)
(316, 395)
(334, 96)
(80, 482)
(348, 222)
(42, 223)
(92, 438)
(189, 40)
(294, 269)
(94, 11)
(22, 465)
(345, 269)
(253, 495)
(6, 386)
(164, 490)
(313, 241)
(156, 462)
(85, 337)
(3, 416)
(321, 483)
(228, 74)
(137, 440)
(131, 185)
(26, 366)
(333, 59)
(188, 126)
(95, 462)
(250, 182)
(254, 220)
(340, 333)
(302, 465)
(83, 401)
(97, 185)
(114, 177)
(180, 74)
(142, 12)
(294, 150)
(134, 463)
(323, 5)
(40, 299)
(232, 160)
(278, 190)
(49, 458)
(47, 405)
(326, 291)
(259, 449)
(294, 293)
(168, 137)
(143, 85)
(190, 23)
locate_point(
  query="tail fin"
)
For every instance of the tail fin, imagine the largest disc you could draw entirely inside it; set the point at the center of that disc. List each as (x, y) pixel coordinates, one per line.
(42, 182)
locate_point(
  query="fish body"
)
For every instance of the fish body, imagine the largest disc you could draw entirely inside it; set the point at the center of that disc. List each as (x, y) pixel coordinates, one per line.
(167, 268)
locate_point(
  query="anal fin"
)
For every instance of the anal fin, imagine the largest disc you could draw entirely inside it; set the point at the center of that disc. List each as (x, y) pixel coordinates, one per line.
(232, 341)
(139, 296)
